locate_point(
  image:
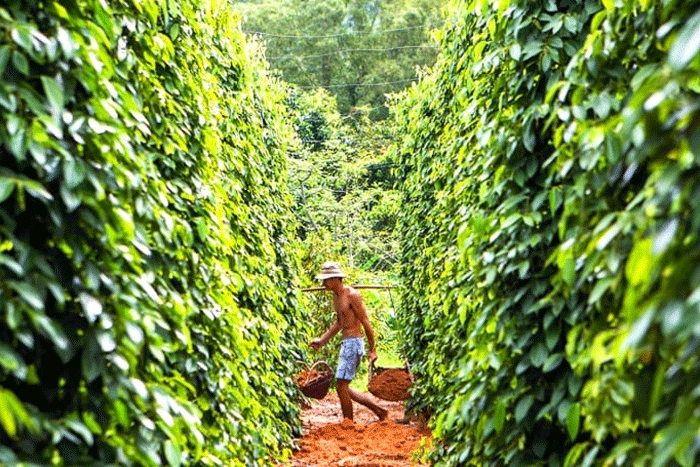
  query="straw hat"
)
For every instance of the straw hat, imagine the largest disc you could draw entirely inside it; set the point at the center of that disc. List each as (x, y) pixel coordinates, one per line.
(330, 269)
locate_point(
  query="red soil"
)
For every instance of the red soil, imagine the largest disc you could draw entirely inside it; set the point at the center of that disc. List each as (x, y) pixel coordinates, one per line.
(391, 384)
(329, 440)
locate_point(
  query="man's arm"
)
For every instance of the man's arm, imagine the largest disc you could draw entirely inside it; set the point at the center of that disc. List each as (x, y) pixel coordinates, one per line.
(321, 341)
(361, 313)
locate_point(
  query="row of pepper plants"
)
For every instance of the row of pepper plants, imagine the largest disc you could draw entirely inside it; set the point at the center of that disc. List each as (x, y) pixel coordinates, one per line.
(147, 311)
(550, 170)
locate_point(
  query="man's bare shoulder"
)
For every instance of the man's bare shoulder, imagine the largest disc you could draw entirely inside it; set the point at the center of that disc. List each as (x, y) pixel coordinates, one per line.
(352, 292)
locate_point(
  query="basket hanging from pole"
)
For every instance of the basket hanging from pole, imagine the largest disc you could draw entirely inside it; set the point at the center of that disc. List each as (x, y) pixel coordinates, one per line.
(314, 382)
(390, 384)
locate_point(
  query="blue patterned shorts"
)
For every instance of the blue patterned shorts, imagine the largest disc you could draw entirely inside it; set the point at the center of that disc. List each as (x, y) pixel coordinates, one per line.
(351, 351)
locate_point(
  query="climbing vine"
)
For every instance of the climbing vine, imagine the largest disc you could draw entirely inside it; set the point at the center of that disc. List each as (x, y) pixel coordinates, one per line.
(146, 300)
(549, 234)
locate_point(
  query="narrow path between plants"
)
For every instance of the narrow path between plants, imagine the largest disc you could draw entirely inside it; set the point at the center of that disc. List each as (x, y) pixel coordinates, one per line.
(330, 441)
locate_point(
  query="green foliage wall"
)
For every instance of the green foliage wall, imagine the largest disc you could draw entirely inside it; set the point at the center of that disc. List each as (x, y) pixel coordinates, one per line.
(148, 311)
(550, 234)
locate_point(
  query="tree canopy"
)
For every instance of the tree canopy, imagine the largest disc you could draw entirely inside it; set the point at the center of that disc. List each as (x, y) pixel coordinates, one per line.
(359, 50)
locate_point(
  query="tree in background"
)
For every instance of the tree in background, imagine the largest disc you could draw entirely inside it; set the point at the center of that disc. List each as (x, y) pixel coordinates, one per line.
(347, 47)
(342, 183)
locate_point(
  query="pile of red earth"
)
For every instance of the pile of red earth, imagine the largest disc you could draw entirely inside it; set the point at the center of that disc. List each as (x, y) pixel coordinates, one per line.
(330, 441)
(391, 384)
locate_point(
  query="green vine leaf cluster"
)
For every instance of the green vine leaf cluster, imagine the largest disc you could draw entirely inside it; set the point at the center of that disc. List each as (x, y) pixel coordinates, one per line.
(148, 311)
(549, 234)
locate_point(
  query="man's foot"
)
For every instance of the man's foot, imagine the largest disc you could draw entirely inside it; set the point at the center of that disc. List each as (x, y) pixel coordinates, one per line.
(383, 413)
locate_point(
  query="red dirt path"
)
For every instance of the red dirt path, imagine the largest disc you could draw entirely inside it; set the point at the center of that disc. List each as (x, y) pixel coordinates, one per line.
(330, 441)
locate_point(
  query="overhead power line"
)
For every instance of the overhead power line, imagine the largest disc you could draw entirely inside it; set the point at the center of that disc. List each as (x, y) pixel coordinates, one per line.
(358, 33)
(357, 84)
(339, 51)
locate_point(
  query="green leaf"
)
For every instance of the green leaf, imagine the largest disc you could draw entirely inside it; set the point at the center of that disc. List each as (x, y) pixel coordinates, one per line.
(538, 354)
(7, 186)
(672, 440)
(640, 263)
(523, 407)
(54, 93)
(515, 51)
(552, 362)
(672, 317)
(29, 294)
(9, 360)
(573, 419)
(79, 427)
(4, 58)
(499, 415)
(70, 198)
(569, 270)
(590, 457)
(20, 62)
(91, 423)
(552, 335)
(22, 36)
(7, 419)
(53, 331)
(37, 190)
(91, 307)
(172, 453)
(73, 172)
(67, 43)
(600, 288)
(638, 330)
(598, 20)
(92, 362)
(686, 45)
(664, 238)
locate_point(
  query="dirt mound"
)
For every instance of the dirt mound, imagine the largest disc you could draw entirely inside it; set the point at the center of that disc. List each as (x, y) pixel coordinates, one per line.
(391, 384)
(331, 441)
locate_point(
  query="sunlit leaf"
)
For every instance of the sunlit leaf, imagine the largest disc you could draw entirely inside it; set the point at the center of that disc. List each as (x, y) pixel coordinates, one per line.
(54, 93)
(687, 44)
(573, 420)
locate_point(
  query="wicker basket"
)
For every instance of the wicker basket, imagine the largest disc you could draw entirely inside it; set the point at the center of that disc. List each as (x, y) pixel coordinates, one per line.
(390, 384)
(317, 380)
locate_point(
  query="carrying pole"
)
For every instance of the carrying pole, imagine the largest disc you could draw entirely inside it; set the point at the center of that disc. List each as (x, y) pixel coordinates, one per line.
(317, 289)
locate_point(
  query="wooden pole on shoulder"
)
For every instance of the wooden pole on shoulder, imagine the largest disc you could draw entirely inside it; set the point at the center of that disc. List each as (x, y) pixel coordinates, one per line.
(317, 289)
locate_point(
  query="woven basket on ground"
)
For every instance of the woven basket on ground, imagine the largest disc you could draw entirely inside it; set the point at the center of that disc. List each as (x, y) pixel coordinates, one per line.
(315, 381)
(390, 384)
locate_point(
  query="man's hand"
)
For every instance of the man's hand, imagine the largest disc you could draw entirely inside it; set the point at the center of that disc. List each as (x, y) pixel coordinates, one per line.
(372, 356)
(316, 343)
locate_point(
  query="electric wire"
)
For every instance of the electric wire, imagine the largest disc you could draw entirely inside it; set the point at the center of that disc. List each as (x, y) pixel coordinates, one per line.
(340, 51)
(385, 31)
(386, 83)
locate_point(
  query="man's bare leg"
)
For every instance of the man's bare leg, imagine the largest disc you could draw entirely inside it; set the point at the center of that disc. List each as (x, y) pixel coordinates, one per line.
(344, 394)
(367, 402)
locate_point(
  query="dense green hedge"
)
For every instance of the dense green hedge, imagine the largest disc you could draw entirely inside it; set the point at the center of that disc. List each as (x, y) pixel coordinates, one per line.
(147, 307)
(551, 178)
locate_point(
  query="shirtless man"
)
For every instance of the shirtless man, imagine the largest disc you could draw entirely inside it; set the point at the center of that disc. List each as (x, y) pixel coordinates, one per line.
(351, 318)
